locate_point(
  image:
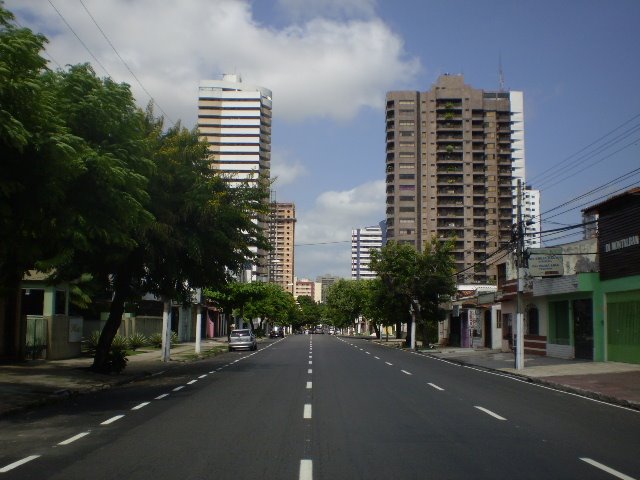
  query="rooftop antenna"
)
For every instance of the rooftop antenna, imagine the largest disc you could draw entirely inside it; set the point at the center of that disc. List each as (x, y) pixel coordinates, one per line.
(500, 74)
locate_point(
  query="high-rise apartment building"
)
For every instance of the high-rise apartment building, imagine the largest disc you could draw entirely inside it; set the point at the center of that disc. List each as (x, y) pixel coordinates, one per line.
(235, 120)
(282, 232)
(454, 154)
(531, 217)
(325, 282)
(363, 241)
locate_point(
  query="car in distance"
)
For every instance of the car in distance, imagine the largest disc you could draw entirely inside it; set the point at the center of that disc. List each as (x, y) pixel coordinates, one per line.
(242, 339)
(276, 332)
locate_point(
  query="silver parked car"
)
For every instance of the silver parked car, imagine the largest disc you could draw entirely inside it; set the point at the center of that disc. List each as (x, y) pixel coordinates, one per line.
(242, 338)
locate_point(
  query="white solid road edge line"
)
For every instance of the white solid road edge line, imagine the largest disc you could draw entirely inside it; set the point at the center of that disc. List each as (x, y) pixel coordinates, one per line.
(489, 412)
(112, 419)
(307, 411)
(435, 386)
(306, 470)
(604, 468)
(74, 438)
(13, 465)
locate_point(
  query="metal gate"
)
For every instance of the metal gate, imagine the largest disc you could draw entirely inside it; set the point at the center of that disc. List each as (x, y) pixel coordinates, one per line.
(36, 340)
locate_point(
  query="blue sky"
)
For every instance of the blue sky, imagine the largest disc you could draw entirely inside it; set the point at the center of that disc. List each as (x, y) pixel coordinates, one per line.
(330, 63)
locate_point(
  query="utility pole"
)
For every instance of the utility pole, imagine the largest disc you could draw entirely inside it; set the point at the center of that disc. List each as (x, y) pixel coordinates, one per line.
(519, 356)
(166, 331)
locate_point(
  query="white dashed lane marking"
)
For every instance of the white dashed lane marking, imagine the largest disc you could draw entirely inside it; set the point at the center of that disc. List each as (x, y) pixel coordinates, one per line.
(178, 388)
(306, 470)
(389, 363)
(406, 373)
(309, 385)
(435, 386)
(307, 411)
(13, 465)
(138, 407)
(112, 419)
(160, 397)
(489, 412)
(74, 438)
(604, 468)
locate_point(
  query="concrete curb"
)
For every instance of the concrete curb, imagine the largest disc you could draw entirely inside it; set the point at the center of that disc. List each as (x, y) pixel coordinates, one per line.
(540, 381)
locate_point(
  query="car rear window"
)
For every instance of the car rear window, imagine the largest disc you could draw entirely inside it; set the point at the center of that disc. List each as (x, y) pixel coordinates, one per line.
(240, 333)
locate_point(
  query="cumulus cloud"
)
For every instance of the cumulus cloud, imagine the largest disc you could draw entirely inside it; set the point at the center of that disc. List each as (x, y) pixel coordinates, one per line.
(285, 170)
(324, 232)
(315, 67)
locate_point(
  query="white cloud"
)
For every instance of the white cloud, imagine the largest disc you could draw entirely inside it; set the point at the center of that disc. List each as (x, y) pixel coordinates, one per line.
(332, 218)
(320, 67)
(285, 170)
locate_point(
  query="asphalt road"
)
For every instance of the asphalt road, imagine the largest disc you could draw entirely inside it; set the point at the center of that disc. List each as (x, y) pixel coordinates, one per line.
(323, 407)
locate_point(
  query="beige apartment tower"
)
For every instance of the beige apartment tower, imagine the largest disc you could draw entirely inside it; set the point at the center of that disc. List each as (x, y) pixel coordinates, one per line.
(453, 154)
(282, 234)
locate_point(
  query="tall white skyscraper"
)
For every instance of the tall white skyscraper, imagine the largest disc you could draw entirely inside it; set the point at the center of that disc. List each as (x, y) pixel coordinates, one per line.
(235, 119)
(363, 241)
(531, 218)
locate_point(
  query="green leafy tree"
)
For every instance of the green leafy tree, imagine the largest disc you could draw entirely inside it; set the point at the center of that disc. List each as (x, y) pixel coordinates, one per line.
(345, 302)
(421, 280)
(39, 161)
(310, 313)
(275, 306)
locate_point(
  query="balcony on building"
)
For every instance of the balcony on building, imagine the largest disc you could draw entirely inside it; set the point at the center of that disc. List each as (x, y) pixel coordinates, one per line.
(449, 179)
(390, 146)
(447, 233)
(449, 212)
(450, 200)
(450, 190)
(450, 223)
(445, 124)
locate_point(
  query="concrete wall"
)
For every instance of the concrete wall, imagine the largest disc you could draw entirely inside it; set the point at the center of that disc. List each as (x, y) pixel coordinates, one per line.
(58, 344)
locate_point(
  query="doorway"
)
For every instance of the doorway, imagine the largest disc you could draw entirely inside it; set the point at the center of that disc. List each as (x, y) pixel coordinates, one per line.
(488, 331)
(583, 328)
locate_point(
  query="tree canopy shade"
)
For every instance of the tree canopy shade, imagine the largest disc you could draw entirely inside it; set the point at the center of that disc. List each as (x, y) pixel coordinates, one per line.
(422, 280)
(345, 302)
(265, 301)
(93, 185)
(39, 161)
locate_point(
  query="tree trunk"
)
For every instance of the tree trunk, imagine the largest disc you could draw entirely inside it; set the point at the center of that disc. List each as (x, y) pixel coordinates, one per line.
(376, 328)
(398, 329)
(14, 324)
(425, 335)
(122, 289)
(408, 339)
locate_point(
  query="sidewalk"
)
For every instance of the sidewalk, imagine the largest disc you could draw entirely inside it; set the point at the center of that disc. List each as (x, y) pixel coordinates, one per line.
(38, 382)
(612, 382)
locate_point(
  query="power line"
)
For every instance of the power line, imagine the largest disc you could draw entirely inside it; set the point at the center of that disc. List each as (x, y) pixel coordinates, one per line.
(125, 63)
(79, 39)
(540, 178)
